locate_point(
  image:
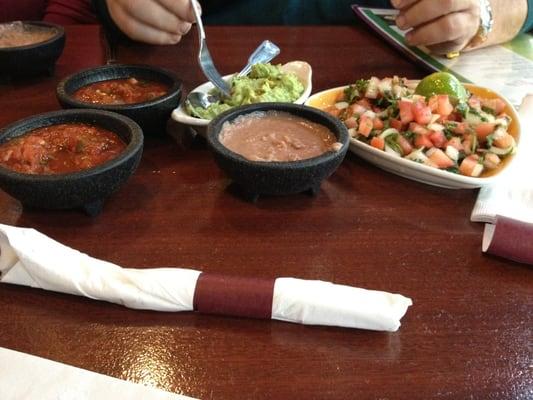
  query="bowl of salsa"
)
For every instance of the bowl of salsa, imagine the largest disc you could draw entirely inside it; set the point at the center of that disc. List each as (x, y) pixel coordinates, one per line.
(30, 47)
(68, 159)
(277, 148)
(143, 93)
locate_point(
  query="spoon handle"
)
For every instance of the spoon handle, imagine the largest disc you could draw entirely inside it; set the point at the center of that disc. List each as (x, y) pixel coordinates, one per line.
(264, 53)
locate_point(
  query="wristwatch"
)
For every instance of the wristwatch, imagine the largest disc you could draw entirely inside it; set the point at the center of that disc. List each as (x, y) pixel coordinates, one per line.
(486, 22)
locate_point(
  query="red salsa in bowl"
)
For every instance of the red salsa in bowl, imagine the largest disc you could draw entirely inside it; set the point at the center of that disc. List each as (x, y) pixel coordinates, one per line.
(60, 149)
(121, 91)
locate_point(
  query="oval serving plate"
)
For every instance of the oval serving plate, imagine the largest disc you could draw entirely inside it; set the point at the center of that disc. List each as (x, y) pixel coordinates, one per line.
(416, 171)
(300, 68)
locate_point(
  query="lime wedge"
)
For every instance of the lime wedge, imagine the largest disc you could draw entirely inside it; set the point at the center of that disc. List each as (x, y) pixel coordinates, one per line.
(442, 83)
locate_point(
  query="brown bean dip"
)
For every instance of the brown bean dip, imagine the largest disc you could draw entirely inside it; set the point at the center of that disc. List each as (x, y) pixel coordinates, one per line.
(17, 34)
(277, 136)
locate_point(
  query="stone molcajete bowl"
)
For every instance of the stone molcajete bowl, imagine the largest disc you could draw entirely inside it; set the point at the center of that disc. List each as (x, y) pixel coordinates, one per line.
(151, 115)
(278, 178)
(35, 58)
(87, 189)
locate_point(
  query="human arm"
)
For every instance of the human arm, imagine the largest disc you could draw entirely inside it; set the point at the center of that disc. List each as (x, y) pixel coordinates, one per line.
(450, 25)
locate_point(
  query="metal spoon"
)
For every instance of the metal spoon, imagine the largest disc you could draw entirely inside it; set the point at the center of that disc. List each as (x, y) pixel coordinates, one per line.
(265, 52)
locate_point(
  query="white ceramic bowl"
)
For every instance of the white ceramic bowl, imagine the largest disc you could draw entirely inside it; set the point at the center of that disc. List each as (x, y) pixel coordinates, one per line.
(300, 68)
(416, 171)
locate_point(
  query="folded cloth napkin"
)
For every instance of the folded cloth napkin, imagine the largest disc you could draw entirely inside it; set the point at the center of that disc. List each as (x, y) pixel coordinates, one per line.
(23, 376)
(29, 258)
(507, 205)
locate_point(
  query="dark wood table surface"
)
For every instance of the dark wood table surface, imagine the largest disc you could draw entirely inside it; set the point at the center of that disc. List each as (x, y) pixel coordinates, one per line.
(468, 334)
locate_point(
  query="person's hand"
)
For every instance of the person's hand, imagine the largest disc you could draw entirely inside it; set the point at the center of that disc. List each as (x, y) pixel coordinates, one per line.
(152, 21)
(441, 25)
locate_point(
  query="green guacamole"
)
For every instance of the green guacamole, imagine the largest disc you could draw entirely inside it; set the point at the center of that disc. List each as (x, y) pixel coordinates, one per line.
(264, 83)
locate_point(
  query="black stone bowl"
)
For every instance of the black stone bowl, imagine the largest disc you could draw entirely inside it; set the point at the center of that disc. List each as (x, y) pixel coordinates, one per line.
(86, 189)
(151, 115)
(35, 58)
(278, 178)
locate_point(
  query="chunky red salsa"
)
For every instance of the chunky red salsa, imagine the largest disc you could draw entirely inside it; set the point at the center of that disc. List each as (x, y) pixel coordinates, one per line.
(121, 91)
(61, 148)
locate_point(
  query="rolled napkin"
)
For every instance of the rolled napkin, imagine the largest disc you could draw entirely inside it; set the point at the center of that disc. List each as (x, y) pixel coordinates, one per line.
(29, 258)
(507, 205)
(510, 239)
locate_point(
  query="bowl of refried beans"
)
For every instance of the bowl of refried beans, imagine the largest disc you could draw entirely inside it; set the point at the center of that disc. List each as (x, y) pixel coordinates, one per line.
(277, 148)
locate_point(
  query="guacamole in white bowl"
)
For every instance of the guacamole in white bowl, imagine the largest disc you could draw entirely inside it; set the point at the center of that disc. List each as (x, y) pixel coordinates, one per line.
(290, 82)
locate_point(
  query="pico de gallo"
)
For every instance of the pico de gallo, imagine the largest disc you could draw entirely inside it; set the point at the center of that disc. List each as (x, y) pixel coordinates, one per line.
(469, 137)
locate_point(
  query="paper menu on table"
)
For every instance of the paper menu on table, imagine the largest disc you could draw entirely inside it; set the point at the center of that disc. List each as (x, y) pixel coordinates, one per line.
(27, 377)
(506, 69)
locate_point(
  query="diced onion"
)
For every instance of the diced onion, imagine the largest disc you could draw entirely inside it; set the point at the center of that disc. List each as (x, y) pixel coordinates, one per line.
(341, 105)
(435, 127)
(431, 151)
(388, 132)
(417, 155)
(369, 114)
(452, 152)
(390, 150)
(434, 118)
(478, 169)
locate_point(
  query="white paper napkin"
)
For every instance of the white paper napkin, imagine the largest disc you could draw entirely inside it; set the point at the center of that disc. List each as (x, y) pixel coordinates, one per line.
(512, 195)
(30, 258)
(27, 377)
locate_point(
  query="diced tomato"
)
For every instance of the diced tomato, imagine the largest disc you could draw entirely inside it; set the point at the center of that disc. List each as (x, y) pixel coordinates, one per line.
(396, 124)
(406, 111)
(378, 123)
(467, 145)
(332, 110)
(440, 159)
(484, 129)
(418, 129)
(444, 108)
(405, 145)
(423, 141)
(351, 123)
(378, 143)
(504, 141)
(365, 103)
(469, 166)
(421, 113)
(491, 161)
(438, 138)
(460, 128)
(498, 105)
(455, 142)
(433, 104)
(455, 116)
(474, 102)
(365, 125)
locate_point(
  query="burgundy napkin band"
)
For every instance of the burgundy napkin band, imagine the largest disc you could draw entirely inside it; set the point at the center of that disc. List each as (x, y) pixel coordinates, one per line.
(234, 296)
(510, 239)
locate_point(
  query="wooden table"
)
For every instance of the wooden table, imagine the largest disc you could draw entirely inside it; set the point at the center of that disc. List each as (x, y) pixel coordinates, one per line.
(468, 334)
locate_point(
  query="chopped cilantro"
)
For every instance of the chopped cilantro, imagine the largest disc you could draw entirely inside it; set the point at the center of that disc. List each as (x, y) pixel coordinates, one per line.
(351, 93)
(453, 169)
(488, 110)
(490, 140)
(409, 135)
(361, 85)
